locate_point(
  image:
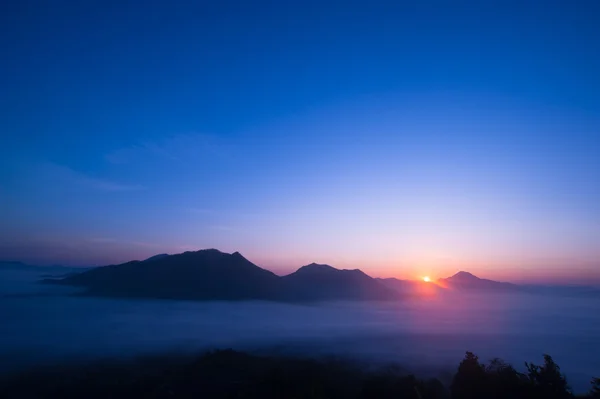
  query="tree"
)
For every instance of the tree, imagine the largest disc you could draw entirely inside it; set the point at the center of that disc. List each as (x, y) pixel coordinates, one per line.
(595, 392)
(503, 381)
(547, 381)
(470, 379)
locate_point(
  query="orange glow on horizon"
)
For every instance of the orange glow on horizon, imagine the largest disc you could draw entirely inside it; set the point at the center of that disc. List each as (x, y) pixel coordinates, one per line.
(426, 279)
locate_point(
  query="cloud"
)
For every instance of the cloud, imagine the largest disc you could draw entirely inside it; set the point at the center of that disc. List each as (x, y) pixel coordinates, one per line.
(60, 174)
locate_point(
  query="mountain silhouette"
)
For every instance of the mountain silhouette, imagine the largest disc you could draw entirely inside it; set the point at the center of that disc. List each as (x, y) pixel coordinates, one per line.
(155, 257)
(14, 265)
(204, 274)
(214, 275)
(324, 282)
(467, 281)
(55, 270)
(411, 287)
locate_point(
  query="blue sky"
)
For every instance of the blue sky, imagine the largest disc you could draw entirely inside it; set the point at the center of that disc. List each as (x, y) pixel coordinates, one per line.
(408, 139)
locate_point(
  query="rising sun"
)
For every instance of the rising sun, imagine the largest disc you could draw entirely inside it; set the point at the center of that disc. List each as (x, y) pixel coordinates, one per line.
(426, 279)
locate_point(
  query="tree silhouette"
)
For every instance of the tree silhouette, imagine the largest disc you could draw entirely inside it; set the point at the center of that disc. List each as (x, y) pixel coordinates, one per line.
(503, 381)
(547, 380)
(470, 379)
(595, 392)
(230, 374)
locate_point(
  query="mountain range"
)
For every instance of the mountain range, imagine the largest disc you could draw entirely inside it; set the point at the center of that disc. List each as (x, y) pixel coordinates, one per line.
(214, 275)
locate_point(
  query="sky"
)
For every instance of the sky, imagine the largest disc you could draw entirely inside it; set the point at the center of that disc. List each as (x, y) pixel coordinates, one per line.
(407, 139)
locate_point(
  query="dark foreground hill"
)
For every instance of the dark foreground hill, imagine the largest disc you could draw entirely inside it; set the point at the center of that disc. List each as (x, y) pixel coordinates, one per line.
(230, 374)
(214, 275)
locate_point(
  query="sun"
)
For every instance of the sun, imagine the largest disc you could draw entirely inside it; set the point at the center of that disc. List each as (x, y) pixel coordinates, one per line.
(426, 279)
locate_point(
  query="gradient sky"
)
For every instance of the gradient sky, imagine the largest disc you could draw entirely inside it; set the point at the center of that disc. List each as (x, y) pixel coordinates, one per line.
(412, 139)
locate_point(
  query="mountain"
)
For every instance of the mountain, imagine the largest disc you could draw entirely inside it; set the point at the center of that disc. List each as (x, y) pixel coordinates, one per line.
(55, 270)
(205, 274)
(411, 287)
(563, 290)
(467, 281)
(324, 282)
(214, 275)
(11, 265)
(155, 257)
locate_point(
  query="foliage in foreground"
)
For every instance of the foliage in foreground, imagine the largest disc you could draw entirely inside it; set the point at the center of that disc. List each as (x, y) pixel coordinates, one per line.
(231, 374)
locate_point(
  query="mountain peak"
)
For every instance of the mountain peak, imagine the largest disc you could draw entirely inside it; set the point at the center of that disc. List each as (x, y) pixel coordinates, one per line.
(210, 250)
(317, 267)
(313, 264)
(210, 274)
(212, 253)
(466, 280)
(462, 275)
(156, 257)
(320, 281)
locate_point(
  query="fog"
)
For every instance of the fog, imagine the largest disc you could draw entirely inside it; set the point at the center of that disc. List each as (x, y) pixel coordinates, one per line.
(44, 324)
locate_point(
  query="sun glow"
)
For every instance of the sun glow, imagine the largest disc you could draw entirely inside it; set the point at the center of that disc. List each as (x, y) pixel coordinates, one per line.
(426, 279)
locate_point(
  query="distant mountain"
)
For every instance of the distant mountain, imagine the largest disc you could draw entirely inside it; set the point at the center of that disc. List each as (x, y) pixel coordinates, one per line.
(324, 282)
(55, 270)
(460, 281)
(467, 281)
(214, 275)
(12, 265)
(563, 290)
(411, 287)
